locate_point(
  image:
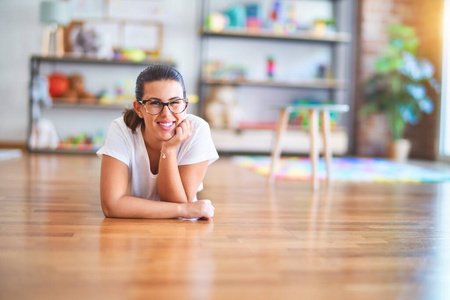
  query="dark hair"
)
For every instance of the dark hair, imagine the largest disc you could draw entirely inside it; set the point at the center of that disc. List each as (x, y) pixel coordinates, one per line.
(150, 74)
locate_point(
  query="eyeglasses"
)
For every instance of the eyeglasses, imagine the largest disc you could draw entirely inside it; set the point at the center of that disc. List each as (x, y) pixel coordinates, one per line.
(154, 107)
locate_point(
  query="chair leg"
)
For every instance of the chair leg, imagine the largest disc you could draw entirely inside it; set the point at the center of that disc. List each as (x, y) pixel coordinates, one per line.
(276, 151)
(327, 143)
(314, 150)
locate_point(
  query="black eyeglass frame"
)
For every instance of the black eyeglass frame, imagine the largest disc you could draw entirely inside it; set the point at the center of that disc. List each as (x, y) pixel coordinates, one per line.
(164, 104)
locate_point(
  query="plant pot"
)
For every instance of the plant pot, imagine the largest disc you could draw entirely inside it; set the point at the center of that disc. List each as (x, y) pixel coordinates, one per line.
(399, 150)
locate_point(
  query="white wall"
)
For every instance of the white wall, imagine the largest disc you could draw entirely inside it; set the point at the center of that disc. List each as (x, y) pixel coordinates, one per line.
(20, 37)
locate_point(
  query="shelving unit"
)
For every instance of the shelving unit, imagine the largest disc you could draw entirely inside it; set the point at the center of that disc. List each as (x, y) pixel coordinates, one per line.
(256, 93)
(81, 117)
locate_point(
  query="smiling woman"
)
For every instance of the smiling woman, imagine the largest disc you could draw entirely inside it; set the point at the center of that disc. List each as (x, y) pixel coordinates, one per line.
(156, 152)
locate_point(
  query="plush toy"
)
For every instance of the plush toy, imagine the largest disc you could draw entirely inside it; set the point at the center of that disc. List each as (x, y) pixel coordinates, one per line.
(43, 135)
(85, 40)
(76, 92)
(221, 110)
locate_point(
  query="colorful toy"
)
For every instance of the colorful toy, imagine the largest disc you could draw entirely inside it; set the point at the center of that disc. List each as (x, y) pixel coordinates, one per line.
(217, 21)
(133, 54)
(83, 142)
(237, 16)
(58, 84)
(254, 15)
(301, 117)
(218, 70)
(270, 67)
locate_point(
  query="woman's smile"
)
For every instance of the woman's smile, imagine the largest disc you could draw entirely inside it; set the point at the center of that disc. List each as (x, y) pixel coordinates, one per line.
(166, 125)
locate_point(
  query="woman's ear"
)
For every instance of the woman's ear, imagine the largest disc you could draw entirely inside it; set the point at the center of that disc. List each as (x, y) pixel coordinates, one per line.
(137, 108)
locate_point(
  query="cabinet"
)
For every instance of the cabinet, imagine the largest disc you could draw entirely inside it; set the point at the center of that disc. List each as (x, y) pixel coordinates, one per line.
(58, 126)
(310, 64)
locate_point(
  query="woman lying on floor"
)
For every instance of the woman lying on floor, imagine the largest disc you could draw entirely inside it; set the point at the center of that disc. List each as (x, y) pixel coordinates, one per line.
(156, 156)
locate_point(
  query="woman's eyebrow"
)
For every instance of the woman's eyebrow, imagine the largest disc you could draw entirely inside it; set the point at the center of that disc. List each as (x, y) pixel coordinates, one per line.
(157, 99)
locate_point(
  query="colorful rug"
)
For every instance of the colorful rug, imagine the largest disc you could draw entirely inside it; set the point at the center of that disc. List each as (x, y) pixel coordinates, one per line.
(344, 169)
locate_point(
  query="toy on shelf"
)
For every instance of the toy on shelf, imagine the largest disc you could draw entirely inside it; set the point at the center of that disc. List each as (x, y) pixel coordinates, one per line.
(43, 135)
(73, 93)
(120, 94)
(291, 25)
(218, 70)
(221, 109)
(282, 19)
(130, 54)
(324, 72)
(254, 16)
(217, 21)
(323, 26)
(83, 142)
(270, 67)
(58, 84)
(301, 117)
(236, 16)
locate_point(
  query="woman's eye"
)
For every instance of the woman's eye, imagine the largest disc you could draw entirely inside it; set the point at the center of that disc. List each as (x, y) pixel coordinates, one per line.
(155, 103)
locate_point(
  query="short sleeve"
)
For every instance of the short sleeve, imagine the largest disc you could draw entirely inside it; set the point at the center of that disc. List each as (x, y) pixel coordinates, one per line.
(117, 144)
(199, 147)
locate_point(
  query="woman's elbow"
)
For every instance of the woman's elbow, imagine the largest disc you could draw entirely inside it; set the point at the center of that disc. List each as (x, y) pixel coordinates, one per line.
(108, 208)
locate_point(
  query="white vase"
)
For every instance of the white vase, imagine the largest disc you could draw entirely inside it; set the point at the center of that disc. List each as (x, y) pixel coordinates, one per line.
(399, 150)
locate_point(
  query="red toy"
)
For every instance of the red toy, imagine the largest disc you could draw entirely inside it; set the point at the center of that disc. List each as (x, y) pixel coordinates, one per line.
(58, 84)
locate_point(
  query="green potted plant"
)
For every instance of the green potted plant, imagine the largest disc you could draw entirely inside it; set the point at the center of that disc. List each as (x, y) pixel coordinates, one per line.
(401, 86)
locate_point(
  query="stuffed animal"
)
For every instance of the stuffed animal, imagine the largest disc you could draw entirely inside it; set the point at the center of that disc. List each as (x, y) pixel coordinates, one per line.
(43, 135)
(76, 92)
(221, 109)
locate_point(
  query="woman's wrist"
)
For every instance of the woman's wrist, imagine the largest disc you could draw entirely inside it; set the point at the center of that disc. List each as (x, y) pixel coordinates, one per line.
(182, 207)
(167, 151)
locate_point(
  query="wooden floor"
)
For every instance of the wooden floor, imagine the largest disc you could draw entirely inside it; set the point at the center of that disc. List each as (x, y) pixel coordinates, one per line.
(280, 241)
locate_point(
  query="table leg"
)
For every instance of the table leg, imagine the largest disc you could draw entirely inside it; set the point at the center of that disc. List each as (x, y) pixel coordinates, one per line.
(326, 142)
(314, 150)
(276, 151)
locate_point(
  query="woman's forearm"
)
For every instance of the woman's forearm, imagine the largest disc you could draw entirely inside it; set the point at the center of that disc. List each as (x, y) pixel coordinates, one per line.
(133, 207)
(170, 186)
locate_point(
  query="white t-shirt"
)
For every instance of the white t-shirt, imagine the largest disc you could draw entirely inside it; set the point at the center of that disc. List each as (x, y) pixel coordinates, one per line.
(128, 147)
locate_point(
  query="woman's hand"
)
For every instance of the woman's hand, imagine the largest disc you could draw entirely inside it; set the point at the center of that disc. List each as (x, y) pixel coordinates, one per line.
(182, 132)
(199, 209)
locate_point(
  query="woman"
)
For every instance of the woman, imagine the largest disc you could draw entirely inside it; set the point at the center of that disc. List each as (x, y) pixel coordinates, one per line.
(156, 152)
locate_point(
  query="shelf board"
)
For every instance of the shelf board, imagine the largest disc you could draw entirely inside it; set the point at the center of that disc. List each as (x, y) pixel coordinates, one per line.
(90, 106)
(306, 84)
(306, 35)
(92, 59)
(64, 151)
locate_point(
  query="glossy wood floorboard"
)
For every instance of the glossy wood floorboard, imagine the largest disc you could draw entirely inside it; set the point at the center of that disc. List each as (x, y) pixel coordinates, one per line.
(280, 241)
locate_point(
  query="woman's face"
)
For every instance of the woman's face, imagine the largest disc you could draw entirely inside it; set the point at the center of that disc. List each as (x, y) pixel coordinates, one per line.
(162, 126)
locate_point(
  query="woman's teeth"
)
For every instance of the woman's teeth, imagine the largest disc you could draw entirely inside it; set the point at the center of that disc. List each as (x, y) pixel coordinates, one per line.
(166, 124)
